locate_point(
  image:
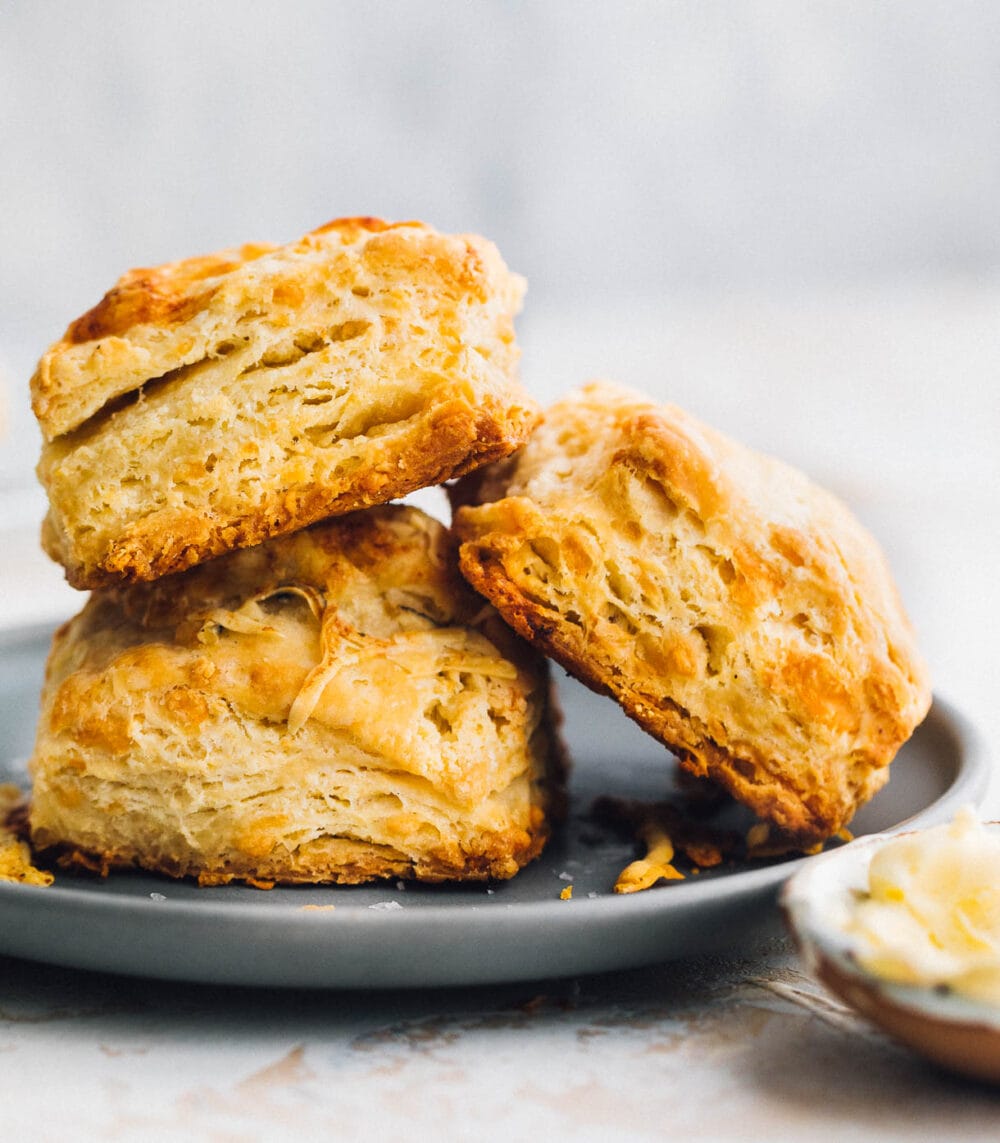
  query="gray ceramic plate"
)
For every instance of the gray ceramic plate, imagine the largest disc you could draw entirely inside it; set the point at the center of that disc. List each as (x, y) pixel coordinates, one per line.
(434, 935)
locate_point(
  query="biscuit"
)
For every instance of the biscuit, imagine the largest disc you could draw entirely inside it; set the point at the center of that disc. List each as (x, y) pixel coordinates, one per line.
(332, 706)
(210, 404)
(736, 611)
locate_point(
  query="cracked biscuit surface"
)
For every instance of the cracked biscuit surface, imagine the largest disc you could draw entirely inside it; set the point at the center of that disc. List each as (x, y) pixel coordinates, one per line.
(331, 706)
(212, 403)
(737, 612)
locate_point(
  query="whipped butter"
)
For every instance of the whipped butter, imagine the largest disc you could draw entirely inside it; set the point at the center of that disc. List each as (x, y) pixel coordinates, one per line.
(931, 915)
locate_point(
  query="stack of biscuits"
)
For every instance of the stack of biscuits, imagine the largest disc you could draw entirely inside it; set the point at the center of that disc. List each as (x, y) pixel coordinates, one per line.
(279, 676)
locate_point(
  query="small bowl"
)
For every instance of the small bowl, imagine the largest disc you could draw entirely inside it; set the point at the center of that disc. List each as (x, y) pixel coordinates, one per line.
(956, 1032)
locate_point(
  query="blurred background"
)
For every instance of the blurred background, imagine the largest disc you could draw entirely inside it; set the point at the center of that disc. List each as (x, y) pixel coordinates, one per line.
(783, 216)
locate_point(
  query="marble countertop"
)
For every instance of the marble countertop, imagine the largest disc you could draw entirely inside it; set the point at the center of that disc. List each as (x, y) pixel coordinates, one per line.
(738, 1047)
(708, 1049)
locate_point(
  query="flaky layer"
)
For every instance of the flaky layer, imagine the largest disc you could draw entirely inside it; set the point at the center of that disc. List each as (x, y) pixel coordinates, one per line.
(214, 403)
(331, 706)
(735, 610)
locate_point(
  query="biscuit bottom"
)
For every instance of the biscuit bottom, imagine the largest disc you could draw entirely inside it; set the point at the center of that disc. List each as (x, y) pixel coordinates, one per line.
(318, 810)
(333, 706)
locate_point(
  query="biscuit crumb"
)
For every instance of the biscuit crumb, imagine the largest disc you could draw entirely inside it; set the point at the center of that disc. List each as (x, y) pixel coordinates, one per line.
(15, 854)
(655, 866)
(566, 894)
(666, 831)
(757, 835)
(16, 865)
(762, 843)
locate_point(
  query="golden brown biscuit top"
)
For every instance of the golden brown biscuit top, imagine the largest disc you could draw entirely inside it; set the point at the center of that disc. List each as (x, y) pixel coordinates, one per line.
(158, 319)
(779, 529)
(158, 295)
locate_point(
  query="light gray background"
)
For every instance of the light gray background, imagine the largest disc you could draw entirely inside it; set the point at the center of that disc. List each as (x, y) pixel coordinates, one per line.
(611, 149)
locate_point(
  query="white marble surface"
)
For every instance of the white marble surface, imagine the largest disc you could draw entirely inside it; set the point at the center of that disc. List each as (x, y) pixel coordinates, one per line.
(703, 1050)
(879, 394)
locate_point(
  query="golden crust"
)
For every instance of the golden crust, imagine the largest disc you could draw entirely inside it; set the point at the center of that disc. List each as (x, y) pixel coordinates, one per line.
(736, 611)
(332, 706)
(219, 401)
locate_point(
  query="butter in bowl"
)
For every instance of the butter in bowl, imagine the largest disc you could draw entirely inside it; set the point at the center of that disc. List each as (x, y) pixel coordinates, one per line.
(905, 929)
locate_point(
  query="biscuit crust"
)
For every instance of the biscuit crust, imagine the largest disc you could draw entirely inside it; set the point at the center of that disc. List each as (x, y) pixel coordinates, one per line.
(333, 706)
(219, 401)
(737, 612)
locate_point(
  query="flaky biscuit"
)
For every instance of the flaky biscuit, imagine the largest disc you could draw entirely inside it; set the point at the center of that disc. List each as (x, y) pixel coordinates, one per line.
(332, 706)
(737, 612)
(213, 403)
